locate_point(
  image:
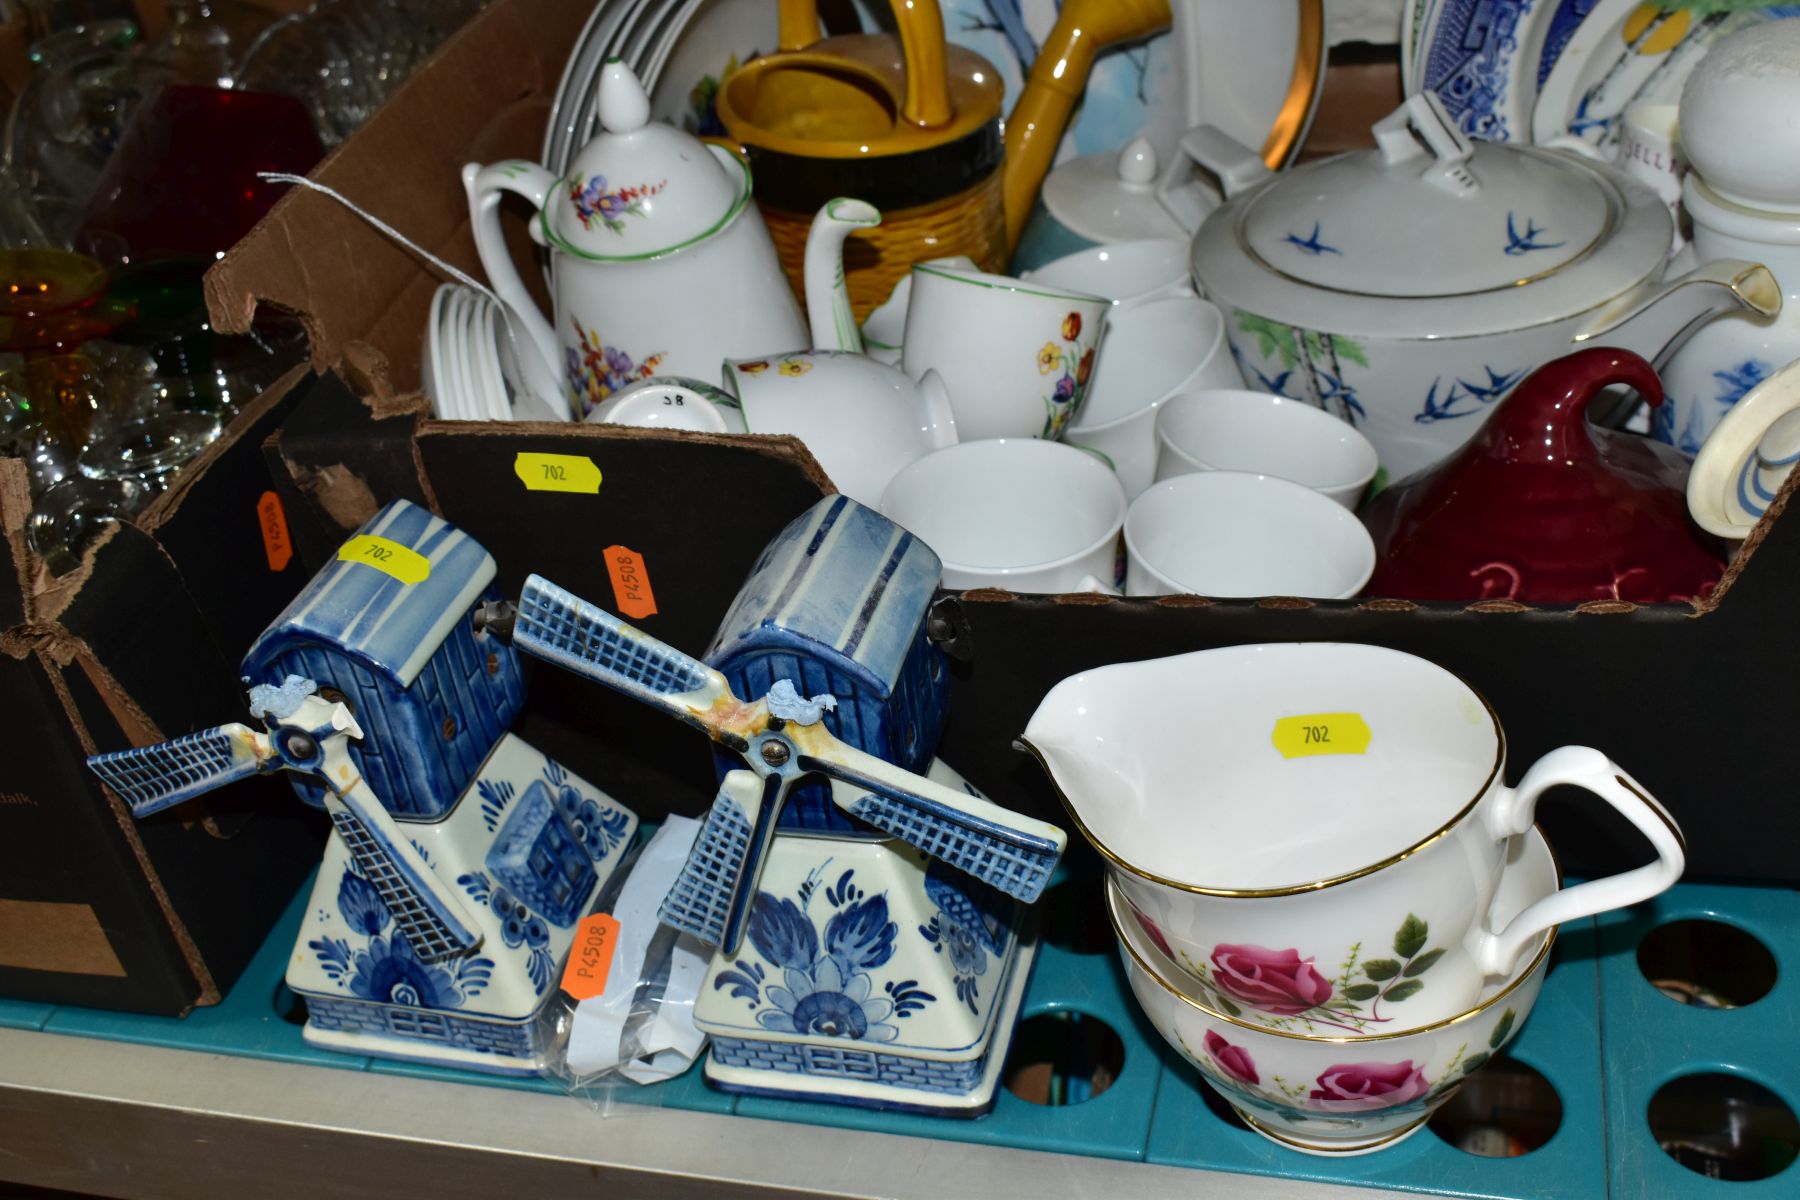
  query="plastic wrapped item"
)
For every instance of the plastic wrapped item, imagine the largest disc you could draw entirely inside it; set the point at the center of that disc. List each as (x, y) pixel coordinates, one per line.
(626, 1015)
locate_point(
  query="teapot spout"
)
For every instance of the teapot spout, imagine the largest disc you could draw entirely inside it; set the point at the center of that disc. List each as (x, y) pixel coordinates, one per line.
(1654, 324)
(827, 297)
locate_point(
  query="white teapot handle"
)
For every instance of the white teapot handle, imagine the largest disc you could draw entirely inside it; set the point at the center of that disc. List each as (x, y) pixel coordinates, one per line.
(485, 186)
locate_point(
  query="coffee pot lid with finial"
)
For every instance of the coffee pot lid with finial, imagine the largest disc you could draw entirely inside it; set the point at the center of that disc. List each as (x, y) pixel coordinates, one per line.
(641, 188)
(1738, 121)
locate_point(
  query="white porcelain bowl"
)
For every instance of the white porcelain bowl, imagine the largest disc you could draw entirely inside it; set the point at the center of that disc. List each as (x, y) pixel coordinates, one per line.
(1229, 533)
(1332, 1095)
(1151, 351)
(1017, 513)
(1124, 272)
(1265, 434)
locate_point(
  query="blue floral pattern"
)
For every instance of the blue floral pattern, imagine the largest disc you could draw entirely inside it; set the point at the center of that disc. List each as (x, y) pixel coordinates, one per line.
(386, 969)
(495, 796)
(822, 983)
(519, 926)
(1735, 382)
(969, 929)
(600, 827)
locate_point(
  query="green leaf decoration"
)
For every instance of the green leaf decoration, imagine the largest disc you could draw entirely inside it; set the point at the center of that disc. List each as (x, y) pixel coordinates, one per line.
(1473, 1063)
(1422, 964)
(1231, 1010)
(1350, 350)
(1501, 1030)
(1409, 939)
(1272, 337)
(1362, 991)
(1402, 990)
(1380, 969)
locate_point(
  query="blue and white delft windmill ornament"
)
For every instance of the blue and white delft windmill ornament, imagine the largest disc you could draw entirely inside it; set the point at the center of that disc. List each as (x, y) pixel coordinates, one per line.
(460, 858)
(870, 974)
(783, 739)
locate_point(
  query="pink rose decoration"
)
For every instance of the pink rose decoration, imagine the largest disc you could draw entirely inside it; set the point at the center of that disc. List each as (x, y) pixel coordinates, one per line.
(1233, 1060)
(1152, 932)
(1364, 1087)
(1276, 981)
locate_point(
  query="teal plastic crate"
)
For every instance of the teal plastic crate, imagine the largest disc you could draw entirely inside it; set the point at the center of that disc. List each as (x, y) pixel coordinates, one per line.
(1655, 1040)
(1601, 1034)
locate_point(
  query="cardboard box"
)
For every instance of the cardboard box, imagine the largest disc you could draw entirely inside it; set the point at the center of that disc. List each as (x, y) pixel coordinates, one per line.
(139, 644)
(1686, 697)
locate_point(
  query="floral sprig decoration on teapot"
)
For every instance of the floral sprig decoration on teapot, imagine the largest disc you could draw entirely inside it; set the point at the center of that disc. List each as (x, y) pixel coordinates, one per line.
(596, 370)
(594, 203)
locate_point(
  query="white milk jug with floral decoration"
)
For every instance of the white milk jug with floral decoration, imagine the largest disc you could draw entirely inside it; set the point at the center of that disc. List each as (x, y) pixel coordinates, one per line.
(660, 264)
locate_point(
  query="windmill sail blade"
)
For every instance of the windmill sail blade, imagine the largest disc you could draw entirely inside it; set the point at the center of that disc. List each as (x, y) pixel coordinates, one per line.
(711, 897)
(152, 778)
(1013, 853)
(426, 911)
(560, 627)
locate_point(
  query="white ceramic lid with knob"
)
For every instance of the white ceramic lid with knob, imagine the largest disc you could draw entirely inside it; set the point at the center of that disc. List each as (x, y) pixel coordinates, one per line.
(1740, 117)
(1481, 215)
(1110, 196)
(641, 188)
(1428, 235)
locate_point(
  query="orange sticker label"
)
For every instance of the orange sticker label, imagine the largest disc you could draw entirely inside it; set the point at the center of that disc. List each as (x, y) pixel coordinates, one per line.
(590, 958)
(273, 519)
(631, 583)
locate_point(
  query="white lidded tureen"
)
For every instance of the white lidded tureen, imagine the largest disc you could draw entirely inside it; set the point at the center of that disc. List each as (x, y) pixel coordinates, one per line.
(1407, 288)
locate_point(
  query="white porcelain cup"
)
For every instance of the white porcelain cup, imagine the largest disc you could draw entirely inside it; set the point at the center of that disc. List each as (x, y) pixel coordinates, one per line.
(1230, 429)
(1233, 534)
(884, 329)
(1017, 513)
(671, 402)
(1016, 356)
(1317, 831)
(863, 420)
(1124, 272)
(1152, 351)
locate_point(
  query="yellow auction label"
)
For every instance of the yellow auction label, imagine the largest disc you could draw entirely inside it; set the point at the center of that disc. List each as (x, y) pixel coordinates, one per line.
(1321, 733)
(557, 472)
(389, 557)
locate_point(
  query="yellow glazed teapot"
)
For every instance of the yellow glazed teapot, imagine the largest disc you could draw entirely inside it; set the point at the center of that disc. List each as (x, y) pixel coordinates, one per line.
(911, 124)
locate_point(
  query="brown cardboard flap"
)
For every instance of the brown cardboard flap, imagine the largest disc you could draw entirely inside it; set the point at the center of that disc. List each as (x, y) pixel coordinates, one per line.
(42, 935)
(344, 279)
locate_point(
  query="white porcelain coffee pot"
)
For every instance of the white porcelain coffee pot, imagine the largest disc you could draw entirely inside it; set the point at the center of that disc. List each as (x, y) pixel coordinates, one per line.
(660, 264)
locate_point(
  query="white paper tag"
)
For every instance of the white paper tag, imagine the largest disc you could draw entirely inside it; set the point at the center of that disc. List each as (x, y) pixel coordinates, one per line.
(670, 1042)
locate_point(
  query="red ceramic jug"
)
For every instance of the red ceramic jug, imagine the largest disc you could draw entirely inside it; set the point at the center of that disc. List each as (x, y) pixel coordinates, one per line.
(1545, 508)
